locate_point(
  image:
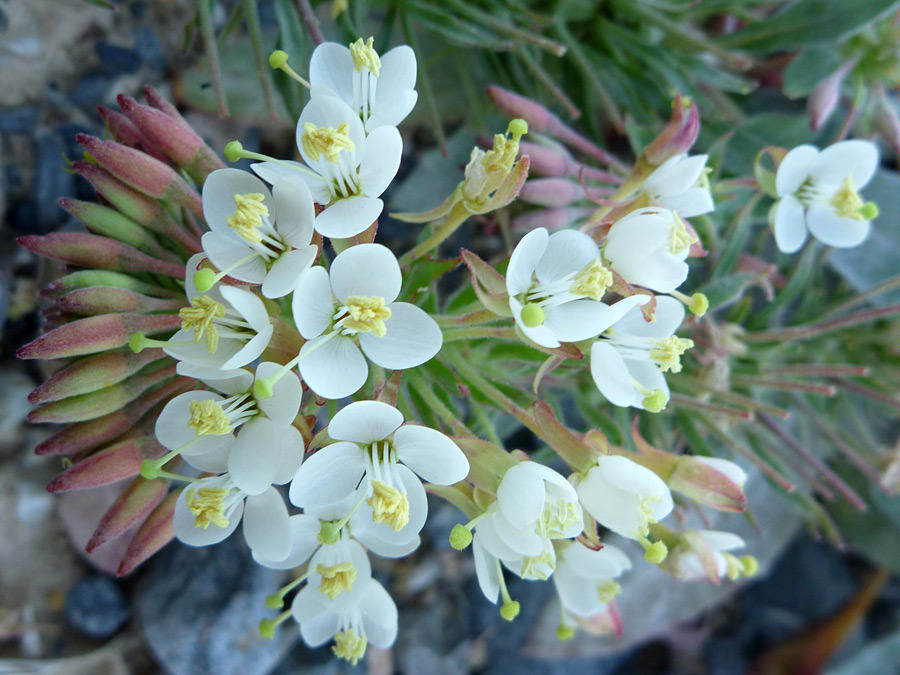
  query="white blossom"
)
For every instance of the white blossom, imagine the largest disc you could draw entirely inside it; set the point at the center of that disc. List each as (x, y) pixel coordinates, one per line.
(584, 577)
(680, 184)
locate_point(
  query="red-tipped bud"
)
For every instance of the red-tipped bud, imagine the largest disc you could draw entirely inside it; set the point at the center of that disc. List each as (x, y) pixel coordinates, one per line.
(178, 141)
(824, 97)
(93, 251)
(678, 136)
(157, 531)
(552, 219)
(92, 373)
(85, 436)
(551, 192)
(132, 506)
(156, 100)
(96, 334)
(122, 460)
(123, 131)
(136, 205)
(142, 172)
(111, 300)
(88, 278)
(557, 162)
(101, 402)
(711, 484)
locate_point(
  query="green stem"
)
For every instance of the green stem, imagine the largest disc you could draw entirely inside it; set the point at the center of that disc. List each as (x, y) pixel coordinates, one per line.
(504, 28)
(503, 333)
(204, 12)
(262, 67)
(457, 216)
(437, 405)
(475, 318)
(425, 81)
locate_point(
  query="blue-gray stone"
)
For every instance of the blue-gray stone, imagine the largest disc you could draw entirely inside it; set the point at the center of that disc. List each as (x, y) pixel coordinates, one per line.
(21, 120)
(92, 89)
(117, 60)
(149, 49)
(200, 610)
(97, 607)
(52, 180)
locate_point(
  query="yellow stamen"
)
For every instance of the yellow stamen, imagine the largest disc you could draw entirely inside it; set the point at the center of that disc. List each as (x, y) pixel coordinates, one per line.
(364, 55)
(848, 204)
(208, 506)
(389, 505)
(555, 518)
(645, 514)
(367, 314)
(608, 590)
(680, 239)
(349, 646)
(337, 578)
(530, 569)
(338, 7)
(199, 316)
(655, 401)
(486, 171)
(666, 353)
(248, 216)
(592, 280)
(328, 141)
(208, 418)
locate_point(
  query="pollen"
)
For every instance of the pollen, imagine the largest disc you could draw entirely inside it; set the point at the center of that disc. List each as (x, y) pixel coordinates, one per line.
(680, 240)
(327, 141)
(847, 202)
(645, 515)
(365, 56)
(366, 314)
(531, 566)
(208, 418)
(349, 646)
(592, 280)
(200, 316)
(608, 590)
(555, 518)
(336, 579)
(208, 506)
(248, 216)
(389, 505)
(666, 353)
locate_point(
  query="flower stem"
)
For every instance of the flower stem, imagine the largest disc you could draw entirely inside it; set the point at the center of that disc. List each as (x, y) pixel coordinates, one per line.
(454, 219)
(424, 390)
(204, 12)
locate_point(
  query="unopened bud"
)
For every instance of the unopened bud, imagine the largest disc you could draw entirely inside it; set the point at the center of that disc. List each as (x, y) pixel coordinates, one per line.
(552, 192)
(155, 532)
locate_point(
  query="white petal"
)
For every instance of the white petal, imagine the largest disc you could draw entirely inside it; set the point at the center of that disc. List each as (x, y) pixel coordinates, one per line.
(267, 526)
(524, 541)
(521, 496)
(317, 624)
(368, 270)
(662, 273)
(731, 470)
(331, 65)
(328, 476)
(487, 531)
(304, 542)
(577, 594)
(675, 178)
(539, 335)
(666, 319)
(391, 111)
(336, 369)
(348, 217)
(611, 375)
(418, 511)
(649, 376)
(284, 404)
(256, 455)
(636, 236)
(326, 111)
(412, 338)
(692, 202)
(379, 615)
(722, 541)
(855, 158)
(795, 169)
(364, 422)
(789, 224)
(247, 305)
(238, 382)
(286, 270)
(830, 228)
(183, 523)
(250, 351)
(398, 73)
(334, 554)
(380, 160)
(486, 570)
(431, 454)
(524, 261)
(312, 304)
(213, 461)
(272, 173)
(224, 252)
(567, 251)
(607, 563)
(578, 320)
(295, 213)
(218, 197)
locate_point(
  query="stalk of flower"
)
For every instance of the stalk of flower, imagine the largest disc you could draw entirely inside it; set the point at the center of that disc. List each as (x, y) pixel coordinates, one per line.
(697, 554)
(353, 304)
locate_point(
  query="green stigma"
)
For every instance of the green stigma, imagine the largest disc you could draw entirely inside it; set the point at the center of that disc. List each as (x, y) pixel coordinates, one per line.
(533, 315)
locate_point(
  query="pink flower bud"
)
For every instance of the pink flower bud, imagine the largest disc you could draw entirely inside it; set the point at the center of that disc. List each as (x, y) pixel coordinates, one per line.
(139, 207)
(551, 192)
(678, 136)
(552, 219)
(132, 506)
(825, 96)
(118, 461)
(888, 124)
(156, 532)
(112, 300)
(123, 131)
(142, 172)
(156, 100)
(93, 373)
(550, 162)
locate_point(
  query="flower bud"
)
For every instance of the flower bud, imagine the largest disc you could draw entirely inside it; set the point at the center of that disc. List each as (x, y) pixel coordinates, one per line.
(133, 505)
(157, 531)
(678, 136)
(156, 100)
(123, 131)
(89, 278)
(92, 373)
(824, 97)
(709, 481)
(111, 300)
(489, 284)
(553, 192)
(118, 461)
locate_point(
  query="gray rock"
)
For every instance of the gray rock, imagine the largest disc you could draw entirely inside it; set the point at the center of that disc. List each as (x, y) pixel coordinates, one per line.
(97, 607)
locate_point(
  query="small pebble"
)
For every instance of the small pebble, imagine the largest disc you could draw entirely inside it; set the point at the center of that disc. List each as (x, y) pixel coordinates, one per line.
(97, 607)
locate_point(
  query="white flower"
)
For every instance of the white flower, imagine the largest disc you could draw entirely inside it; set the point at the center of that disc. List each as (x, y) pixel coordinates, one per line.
(584, 577)
(706, 554)
(208, 511)
(371, 443)
(628, 361)
(648, 247)
(199, 425)
(347, 171)
(732, 471)
(372, 618)
(224, 329)
(380, 89)
(257, 236)
(355, 305)
(625, 497)
(680, 184)
(555, 283)
(818, 191)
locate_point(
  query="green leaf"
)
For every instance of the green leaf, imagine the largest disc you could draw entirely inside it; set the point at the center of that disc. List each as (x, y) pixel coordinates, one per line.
(809, 22)
(808, 68)
(757, 132)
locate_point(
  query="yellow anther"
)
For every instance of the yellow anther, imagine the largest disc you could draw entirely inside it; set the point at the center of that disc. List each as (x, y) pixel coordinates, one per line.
(208, 506)
(208, 418)
(847, 202)
(248, 216)
(199, 316)
(533, 315)
(656, 552)
(655, 401)
(666, 353)
(608, 590)
(365, 56)
(349, 646)
(336, 579)
(389, 505)
(366, 314)
(555, 518)
(338, 7)
(592, 280)
(327, 141)
(645, 515)
(486, 171)
(680, 239)
(733, 567)
(531, 569)
(750, 564)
